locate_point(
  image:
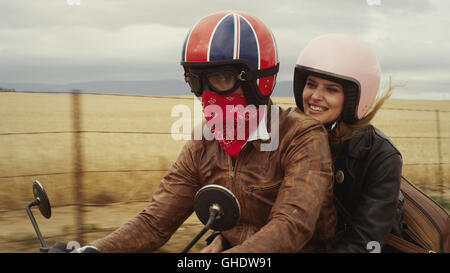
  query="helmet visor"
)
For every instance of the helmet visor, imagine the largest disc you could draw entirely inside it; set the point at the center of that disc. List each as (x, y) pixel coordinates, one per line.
(222, 80)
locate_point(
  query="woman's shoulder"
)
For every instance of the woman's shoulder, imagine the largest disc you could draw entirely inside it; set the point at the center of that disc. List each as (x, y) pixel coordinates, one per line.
(373, 141)
(380, 139)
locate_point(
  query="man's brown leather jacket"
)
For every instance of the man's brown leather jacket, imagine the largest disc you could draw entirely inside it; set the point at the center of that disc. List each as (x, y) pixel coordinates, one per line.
(285, 195)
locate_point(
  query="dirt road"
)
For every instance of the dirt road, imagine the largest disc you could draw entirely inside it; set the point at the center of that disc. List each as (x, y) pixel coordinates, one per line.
(17, 233)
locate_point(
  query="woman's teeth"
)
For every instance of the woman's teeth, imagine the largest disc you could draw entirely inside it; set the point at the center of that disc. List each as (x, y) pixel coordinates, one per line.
(317, 108)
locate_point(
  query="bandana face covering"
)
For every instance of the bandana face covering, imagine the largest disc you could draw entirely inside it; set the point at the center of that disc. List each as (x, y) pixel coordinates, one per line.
(230, 119)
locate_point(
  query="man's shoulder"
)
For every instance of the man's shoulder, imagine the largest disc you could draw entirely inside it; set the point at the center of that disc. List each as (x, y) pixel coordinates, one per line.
(294, 118)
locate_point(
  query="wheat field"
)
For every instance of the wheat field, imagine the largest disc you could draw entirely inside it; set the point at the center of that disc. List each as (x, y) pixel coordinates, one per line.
(127, 146)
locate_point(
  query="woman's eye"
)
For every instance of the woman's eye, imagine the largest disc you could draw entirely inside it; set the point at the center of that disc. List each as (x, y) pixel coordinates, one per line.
(333, 90)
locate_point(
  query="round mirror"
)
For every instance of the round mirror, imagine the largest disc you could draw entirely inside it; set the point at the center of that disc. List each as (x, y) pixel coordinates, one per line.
(40, 195)
(220, 196)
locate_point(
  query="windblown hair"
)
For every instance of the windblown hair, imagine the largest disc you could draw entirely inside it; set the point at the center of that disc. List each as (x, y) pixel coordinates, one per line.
(348, 131)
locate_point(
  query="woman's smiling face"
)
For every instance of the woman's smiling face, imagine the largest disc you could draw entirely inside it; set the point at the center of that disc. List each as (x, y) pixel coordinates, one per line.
(323, 99)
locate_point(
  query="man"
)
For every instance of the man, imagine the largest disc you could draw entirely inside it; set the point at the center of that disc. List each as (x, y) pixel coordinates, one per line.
(285, 190)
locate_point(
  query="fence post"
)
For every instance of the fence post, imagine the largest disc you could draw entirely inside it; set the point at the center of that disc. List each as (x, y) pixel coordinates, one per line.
(438, 135)
(78, 165)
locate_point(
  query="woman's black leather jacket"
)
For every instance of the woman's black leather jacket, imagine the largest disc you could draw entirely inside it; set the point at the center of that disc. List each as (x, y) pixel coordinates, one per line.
(367, 183)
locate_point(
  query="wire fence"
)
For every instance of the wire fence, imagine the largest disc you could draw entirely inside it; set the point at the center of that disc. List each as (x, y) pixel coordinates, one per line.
(77, 116)
(79, 169)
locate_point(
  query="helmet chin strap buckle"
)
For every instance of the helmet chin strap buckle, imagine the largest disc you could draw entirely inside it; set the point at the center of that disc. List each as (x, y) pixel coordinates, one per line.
(333, 126)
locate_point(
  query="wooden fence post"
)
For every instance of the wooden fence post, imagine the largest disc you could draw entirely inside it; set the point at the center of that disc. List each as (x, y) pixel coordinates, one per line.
(439, 151)
(78, 165)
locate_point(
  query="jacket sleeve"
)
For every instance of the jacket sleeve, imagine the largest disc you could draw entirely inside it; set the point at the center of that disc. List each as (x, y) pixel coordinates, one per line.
(375, 213)
(170, 206)
(307, 179)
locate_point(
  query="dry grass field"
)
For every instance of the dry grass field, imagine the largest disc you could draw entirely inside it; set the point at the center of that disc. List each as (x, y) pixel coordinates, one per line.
(127, 148)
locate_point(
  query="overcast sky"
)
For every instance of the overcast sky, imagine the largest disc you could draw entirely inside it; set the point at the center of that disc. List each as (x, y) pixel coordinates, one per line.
(51, 41)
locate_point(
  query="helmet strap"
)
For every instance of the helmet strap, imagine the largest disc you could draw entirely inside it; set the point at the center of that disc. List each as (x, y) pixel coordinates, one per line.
(334, 128)
(334, 136)
(249, 80)
(262, 73)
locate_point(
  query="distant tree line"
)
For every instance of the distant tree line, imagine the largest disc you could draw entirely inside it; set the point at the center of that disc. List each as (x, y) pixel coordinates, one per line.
(7, 90)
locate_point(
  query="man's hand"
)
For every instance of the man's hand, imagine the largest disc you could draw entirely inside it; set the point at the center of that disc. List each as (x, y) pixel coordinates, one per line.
(59, 247)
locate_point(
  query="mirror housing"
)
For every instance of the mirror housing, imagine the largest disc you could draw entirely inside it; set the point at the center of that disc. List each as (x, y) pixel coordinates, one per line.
(41, 199)
(223, 200)
(217, 208)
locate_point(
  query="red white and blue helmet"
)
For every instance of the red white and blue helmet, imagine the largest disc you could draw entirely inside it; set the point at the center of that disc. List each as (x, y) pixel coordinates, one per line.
(235, 38)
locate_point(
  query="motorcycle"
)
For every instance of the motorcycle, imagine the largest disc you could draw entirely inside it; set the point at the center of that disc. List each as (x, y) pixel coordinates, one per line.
(216, 207)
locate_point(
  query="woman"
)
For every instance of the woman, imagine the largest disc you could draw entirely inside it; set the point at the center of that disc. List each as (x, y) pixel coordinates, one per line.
(336, 81)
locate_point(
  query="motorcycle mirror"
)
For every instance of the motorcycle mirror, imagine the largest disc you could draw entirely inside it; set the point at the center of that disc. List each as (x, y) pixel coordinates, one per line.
(217, 208)
(42, 200)
(224, 200)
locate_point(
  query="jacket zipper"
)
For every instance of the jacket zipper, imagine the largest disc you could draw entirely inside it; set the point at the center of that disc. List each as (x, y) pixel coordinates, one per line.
(252, 188)
(233, 168)
(250, 192)
(232, 174)
(233, 187)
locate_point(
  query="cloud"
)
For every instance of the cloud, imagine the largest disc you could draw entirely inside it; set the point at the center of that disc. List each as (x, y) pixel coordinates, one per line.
(138, 43)
(50, 41)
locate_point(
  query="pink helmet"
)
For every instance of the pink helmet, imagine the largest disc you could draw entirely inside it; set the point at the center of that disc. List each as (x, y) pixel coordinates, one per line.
(342, 59)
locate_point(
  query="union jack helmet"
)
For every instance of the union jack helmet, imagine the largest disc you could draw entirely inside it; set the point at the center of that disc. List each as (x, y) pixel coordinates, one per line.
(239, 39)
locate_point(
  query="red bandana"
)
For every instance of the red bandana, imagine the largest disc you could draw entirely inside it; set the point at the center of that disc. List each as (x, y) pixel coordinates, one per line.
(237, 118)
